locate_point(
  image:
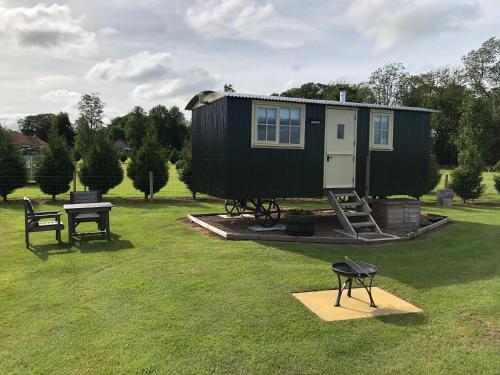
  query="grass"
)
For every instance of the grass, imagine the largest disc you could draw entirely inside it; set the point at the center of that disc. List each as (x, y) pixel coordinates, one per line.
(489, 193)
(164, 298)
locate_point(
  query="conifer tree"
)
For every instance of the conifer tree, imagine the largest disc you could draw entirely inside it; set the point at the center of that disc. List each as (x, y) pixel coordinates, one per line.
(12, 169)
(101, 169)
(149, 158)
(54, 171)
(467, 178)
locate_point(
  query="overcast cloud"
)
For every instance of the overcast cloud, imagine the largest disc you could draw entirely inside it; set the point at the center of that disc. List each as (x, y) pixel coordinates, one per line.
(157, 51)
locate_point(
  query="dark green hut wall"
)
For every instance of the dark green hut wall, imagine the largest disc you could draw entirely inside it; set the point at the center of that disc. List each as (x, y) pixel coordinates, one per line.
(226, 166)
(268, 172)
(209, 130)
(404, 170)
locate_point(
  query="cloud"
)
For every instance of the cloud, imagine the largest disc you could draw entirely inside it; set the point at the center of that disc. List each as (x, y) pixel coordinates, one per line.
(141, 66)
(246, 20)
(391, 22)
(10, 117)
(186, 83)
(106, 31)
(67, 101)
(46, 26)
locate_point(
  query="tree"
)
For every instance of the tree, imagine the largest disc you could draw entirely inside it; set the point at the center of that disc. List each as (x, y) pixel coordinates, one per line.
(387, 83)
(148, 158)
(37, 125)
(12, 170)
(186, 168)
(116, 129)
(91, 110)
(482, 72)
(442, 90)
(65, 128)
(228, 87)
(54, 171)
(467, 178)
(135, 127)
(355, 92)
(434, 174)
(101, 169)
(84, 137)
(482, 67)
(170, 126)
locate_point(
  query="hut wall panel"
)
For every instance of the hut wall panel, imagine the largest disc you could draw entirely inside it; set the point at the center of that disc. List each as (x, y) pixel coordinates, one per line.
(404, 170)
(272, 172)
(209, 139)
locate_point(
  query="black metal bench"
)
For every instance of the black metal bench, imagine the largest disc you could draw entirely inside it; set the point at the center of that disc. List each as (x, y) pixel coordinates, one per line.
(80, 197)
(40, 222)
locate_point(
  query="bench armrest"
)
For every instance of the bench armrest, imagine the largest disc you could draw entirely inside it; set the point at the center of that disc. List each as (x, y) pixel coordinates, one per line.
(43, 215)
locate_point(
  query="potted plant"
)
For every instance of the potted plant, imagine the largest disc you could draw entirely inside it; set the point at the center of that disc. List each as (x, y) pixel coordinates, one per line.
(300, 222)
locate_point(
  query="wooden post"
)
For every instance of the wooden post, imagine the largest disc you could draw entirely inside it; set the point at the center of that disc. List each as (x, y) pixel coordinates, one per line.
(74, 181)
(150, 186)
(446, 181)
(367, 176)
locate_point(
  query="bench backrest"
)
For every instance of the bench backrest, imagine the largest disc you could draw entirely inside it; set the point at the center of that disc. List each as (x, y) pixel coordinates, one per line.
(78, 197)
(28, 207)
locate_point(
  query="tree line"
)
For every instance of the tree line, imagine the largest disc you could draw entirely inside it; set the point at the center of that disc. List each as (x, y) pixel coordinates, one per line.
(155, 137)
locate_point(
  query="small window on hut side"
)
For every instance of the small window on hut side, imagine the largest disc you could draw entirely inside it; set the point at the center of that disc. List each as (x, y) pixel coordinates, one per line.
(278, 125)
(381, 130)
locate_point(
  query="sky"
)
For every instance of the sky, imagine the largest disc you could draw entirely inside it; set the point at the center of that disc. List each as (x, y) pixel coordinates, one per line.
(149, 52)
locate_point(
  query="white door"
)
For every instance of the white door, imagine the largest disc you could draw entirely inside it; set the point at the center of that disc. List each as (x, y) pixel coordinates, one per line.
(340, 148)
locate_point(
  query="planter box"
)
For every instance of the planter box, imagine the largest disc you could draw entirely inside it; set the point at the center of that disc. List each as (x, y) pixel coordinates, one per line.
(300, 225)
(444, 197)
(397, 213)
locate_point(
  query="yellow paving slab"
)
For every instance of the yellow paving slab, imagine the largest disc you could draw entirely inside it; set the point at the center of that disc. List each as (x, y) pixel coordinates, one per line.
(358, 306)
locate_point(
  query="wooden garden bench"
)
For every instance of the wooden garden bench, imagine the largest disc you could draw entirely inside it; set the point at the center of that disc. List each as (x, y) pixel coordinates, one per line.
(40, 222)
(81, 197)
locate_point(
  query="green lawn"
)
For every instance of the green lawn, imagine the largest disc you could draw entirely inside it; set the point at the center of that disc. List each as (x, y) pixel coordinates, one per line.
(490, 192)
(163, 298)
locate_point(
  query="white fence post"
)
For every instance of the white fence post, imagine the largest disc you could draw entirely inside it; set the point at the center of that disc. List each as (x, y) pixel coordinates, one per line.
(150, 186)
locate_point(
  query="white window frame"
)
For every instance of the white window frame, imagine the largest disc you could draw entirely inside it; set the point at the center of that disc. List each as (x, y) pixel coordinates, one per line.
(390, 138)
(276, 143)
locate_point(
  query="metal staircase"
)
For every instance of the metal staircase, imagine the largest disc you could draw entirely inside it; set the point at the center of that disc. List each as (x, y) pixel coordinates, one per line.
(352, 211)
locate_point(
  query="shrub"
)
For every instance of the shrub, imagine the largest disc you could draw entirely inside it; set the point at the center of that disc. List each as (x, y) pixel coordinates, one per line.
(186, 168)
(123, 157)
(434, 175)
(496, 168)
(12, 169)
(467, 183)
(55, 170)
(149, 158)
(180, 164)
(101, 169)
(496, 179)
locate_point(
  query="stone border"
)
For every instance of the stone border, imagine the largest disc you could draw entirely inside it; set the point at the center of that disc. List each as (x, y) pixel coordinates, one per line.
(324, 240)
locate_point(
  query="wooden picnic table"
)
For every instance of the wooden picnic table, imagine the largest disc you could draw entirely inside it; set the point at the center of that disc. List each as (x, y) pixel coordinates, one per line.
(101, 208)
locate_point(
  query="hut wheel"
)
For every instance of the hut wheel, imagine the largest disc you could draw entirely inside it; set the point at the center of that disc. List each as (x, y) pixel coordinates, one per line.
(233, 207)
(267, 212)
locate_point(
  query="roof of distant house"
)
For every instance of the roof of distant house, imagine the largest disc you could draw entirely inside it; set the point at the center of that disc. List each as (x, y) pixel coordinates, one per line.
(120, 144)
(21, 139)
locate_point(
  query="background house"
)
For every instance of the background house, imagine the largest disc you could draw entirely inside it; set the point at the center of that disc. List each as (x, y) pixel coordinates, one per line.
(30, 147)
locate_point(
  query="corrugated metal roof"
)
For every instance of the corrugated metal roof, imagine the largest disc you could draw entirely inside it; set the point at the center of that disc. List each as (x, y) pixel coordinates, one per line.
(206, 97)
